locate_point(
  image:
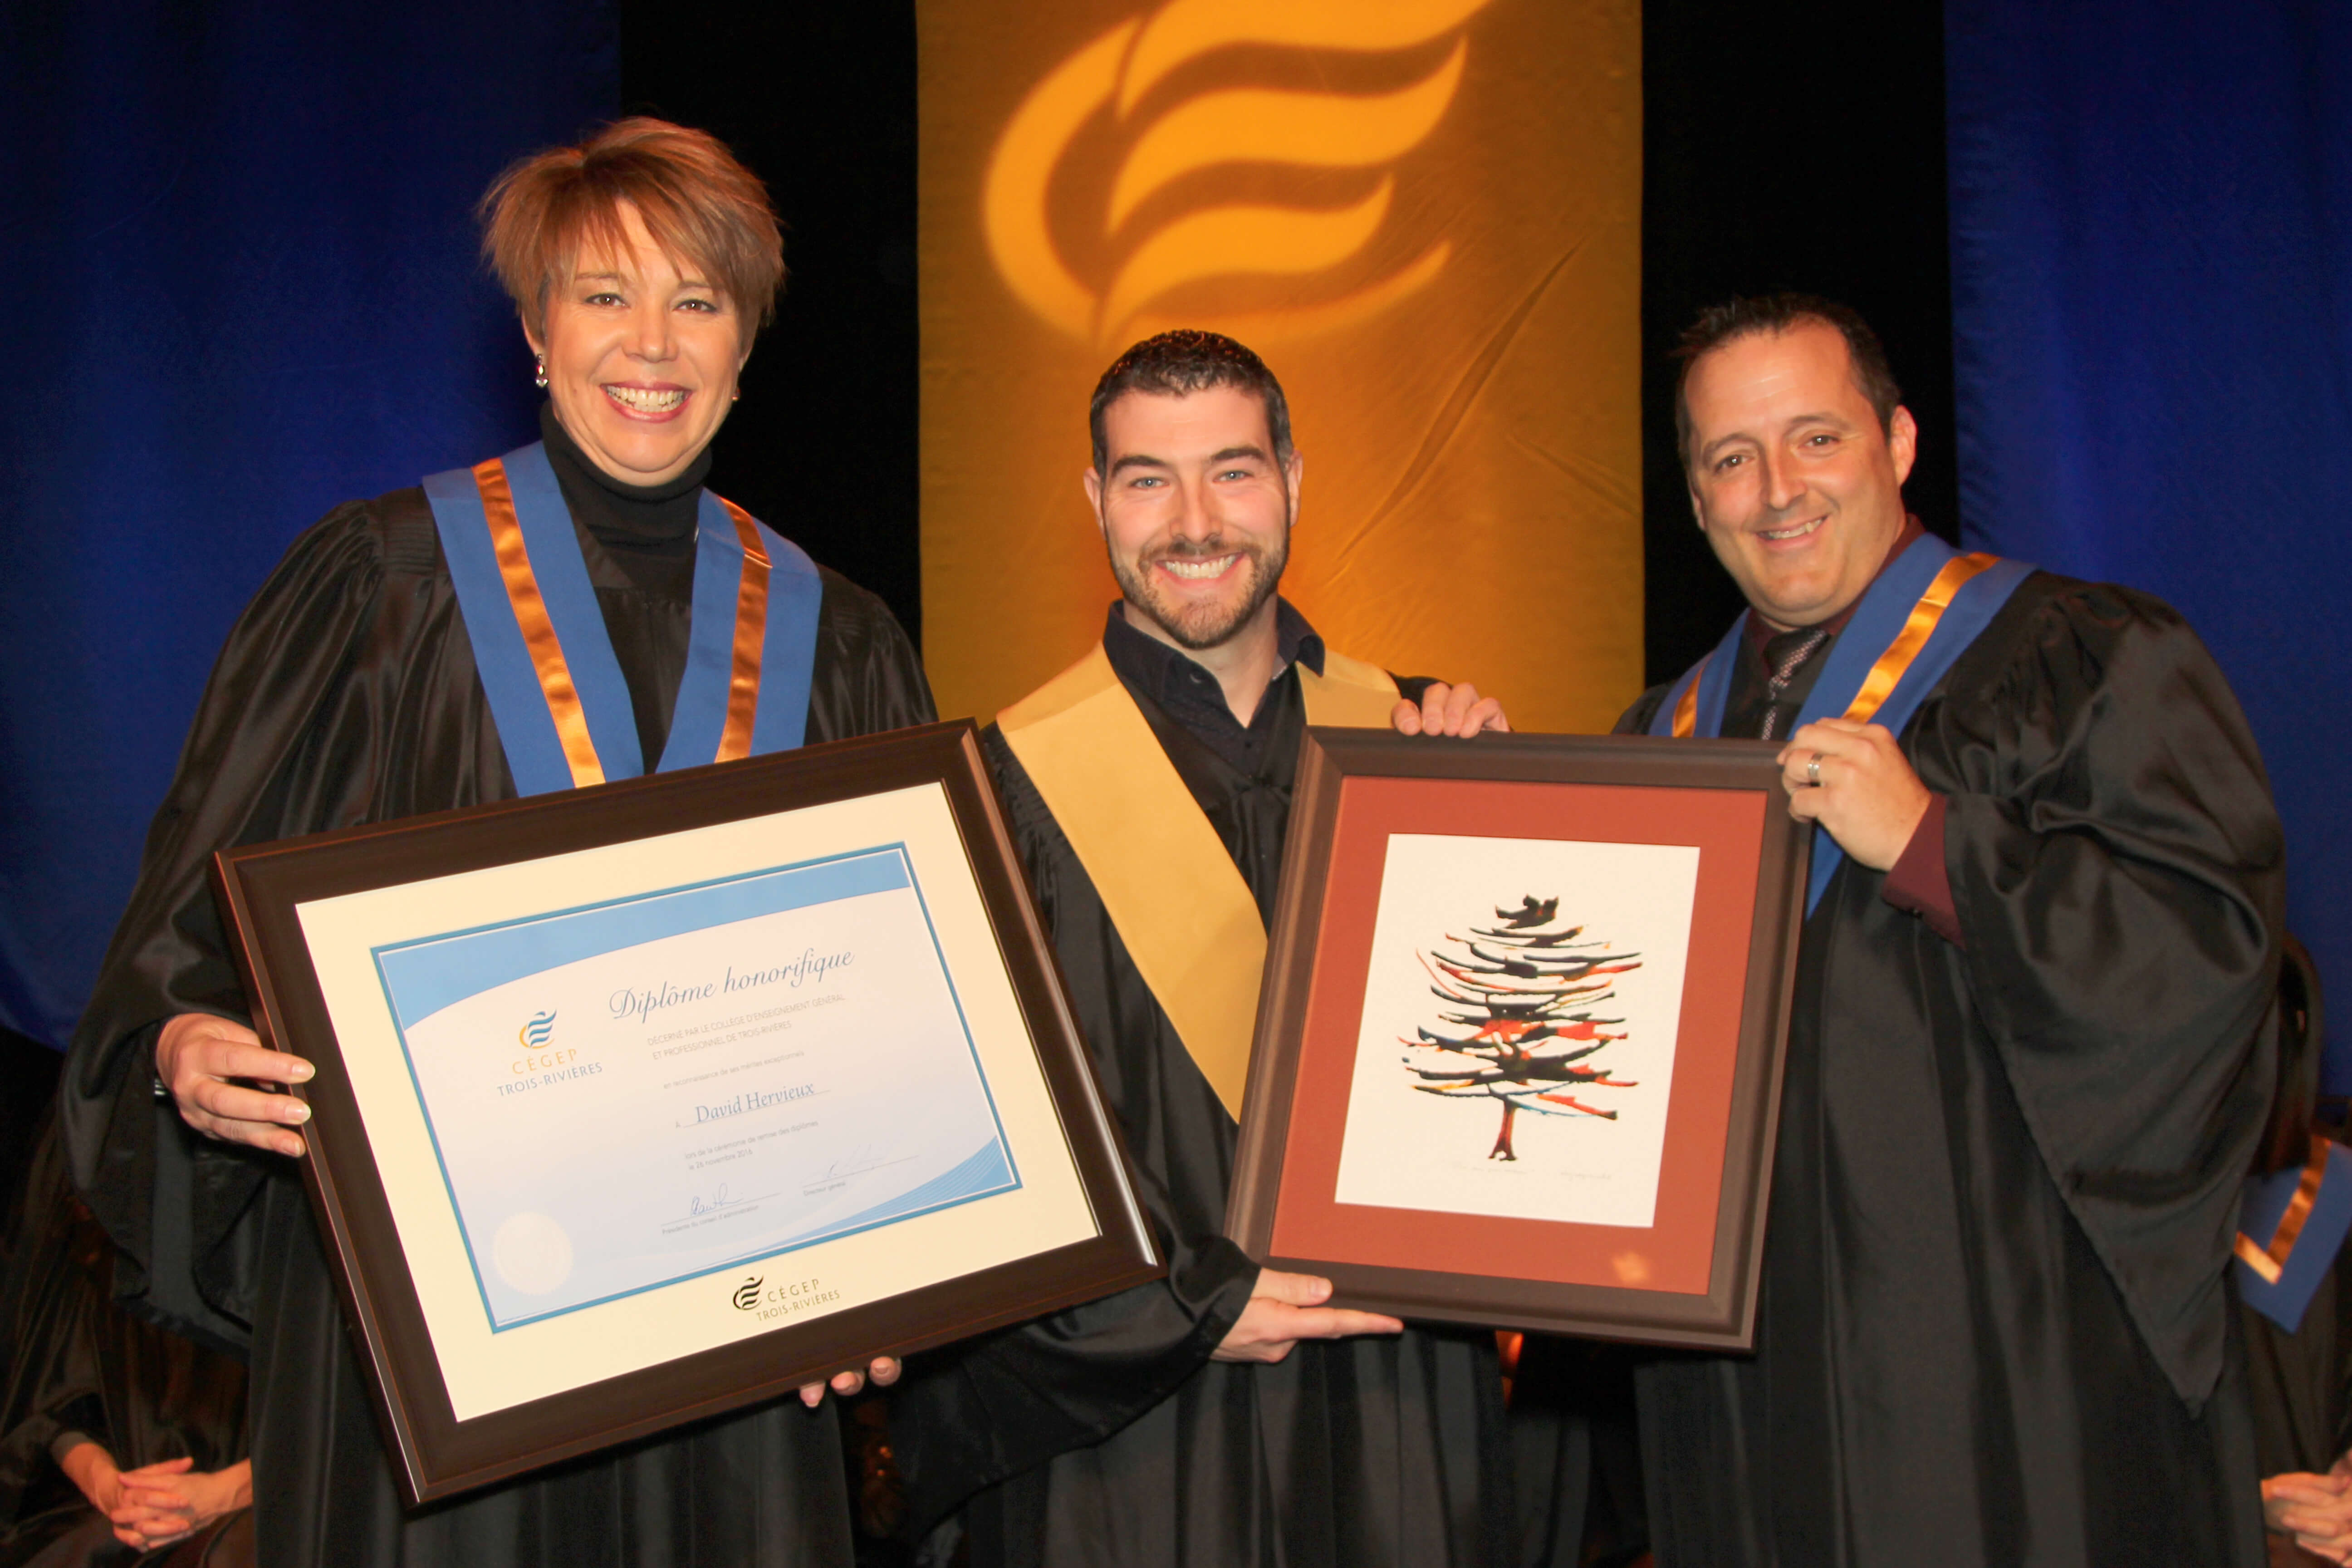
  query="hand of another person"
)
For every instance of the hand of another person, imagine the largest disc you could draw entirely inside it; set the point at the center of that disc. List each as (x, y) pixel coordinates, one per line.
(1449, 711)
(884, 1370)
(91, 1469)
(1286, 1308)
(2316, 1509)
(199, 1058)
(182, 1499)
(1863, 791)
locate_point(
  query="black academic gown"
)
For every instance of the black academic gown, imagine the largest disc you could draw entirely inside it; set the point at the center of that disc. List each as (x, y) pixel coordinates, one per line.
(72, 1361)
(347, 694)
(1106, 1435)
(2302, 1382)
(1993, 1328)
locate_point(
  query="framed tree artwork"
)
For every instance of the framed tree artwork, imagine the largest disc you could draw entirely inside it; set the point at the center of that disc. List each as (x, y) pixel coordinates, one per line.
(1519, 1040)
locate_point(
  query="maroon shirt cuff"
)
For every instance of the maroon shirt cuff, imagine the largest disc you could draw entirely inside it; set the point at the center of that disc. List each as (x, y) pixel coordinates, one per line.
(1919, 883)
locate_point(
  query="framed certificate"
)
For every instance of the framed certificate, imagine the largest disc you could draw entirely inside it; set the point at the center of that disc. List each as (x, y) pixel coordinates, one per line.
(1519, 1042)
(640, 1103)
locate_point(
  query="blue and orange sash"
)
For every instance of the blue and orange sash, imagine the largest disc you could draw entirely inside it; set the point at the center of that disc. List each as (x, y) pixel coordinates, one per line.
(546, 661)
(1911, 627)
(2301, 1218)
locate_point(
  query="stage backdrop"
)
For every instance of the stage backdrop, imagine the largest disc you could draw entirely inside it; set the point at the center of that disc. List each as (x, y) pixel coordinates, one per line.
(239, 239)
(1423, 214)
(2152, 306)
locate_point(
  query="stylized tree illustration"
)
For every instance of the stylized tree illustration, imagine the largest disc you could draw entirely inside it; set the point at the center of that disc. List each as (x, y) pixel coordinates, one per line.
(1527, 991)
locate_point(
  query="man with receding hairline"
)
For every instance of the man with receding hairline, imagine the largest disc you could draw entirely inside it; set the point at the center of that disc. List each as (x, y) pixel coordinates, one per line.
(2028, 1053)
(1229, 1416)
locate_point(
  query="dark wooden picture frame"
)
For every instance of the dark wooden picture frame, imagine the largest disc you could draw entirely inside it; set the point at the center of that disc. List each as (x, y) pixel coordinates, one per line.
(1284, 1180)
(260, 890)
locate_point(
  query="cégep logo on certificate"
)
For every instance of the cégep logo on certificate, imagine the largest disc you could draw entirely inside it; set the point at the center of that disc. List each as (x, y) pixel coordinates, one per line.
(747, 1294)
(537, 1031)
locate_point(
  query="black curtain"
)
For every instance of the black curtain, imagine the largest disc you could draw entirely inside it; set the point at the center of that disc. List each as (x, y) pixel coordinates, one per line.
(1797, 145)
(820, 102)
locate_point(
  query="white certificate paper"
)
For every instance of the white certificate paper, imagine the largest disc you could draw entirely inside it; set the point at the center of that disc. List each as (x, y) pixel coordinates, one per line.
(634, 1093)
(634, 1101)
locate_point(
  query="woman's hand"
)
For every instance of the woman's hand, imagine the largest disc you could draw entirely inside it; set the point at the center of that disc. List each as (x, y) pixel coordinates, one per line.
(91, 1468)
(200, 1057)
(884, 1371)
(1449, 711)
(1285, 1309)
(185, 1500)
(136, 1524)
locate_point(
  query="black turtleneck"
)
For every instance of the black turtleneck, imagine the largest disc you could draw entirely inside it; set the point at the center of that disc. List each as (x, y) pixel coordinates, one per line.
(648, 529)
(638, 541)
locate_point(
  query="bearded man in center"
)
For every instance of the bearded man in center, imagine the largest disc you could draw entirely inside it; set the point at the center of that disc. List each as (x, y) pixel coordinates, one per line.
(1226, 1415)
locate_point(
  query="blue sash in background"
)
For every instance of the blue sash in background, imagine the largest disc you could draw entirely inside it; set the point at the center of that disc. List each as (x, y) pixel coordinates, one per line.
(2291, 1227)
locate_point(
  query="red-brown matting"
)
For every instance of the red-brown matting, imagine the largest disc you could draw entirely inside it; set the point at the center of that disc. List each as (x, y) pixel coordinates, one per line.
(1727, 826)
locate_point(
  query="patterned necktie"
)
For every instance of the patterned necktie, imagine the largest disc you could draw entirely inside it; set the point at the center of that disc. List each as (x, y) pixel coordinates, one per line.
(1783, 657)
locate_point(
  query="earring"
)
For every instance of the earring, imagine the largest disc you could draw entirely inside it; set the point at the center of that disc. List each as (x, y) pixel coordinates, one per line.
(539, 374)
(738, 396)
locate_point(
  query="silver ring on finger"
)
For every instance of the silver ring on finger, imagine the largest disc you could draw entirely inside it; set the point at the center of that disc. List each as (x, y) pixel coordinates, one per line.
(1813, 772)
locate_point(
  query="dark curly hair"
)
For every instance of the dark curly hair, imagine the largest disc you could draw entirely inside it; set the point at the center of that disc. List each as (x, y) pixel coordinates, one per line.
(1177, 363)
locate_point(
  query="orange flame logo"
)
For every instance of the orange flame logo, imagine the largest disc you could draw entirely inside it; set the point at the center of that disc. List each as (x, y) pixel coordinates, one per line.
(1219, 126)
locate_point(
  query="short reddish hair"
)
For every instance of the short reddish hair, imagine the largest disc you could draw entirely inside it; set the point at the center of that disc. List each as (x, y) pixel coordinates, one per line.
(698, 203)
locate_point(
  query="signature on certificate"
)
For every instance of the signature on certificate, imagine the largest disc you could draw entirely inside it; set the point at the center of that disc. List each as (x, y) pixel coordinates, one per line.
(868, 1157)
(858, 1162)
(718, 1201)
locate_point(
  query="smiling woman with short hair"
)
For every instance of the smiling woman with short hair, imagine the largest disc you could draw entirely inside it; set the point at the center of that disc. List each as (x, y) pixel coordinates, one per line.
(379, 674)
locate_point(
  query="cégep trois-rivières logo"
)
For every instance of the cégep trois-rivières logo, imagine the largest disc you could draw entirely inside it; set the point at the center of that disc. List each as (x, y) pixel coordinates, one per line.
(1153, 230)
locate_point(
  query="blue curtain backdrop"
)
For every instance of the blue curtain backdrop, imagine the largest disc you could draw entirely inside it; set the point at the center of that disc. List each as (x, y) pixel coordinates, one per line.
(241, 270)
(2151, 218)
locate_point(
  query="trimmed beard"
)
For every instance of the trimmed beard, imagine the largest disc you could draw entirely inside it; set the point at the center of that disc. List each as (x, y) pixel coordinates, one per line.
(1207, 626)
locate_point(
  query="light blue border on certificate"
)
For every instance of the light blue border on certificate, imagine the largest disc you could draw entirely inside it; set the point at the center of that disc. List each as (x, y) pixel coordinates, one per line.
(988, 1172)
(422, 977)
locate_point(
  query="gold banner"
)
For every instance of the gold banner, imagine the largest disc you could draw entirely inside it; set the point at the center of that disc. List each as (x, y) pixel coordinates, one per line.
(1423, 214)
